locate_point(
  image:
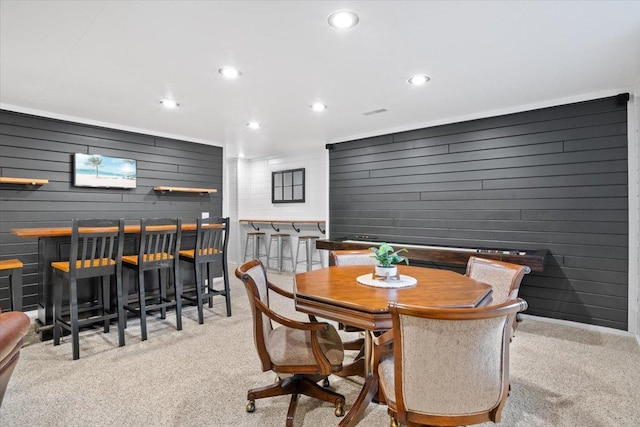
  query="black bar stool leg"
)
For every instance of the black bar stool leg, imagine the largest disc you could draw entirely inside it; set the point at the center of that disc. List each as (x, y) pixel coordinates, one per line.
(105, 282)
(143, 307)
(75, 328)
(199, 278)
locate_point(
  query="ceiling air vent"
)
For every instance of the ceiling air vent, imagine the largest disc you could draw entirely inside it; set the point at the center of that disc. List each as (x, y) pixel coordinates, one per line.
(370, 113)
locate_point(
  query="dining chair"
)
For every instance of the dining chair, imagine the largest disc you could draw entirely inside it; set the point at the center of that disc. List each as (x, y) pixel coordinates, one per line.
(300, 353)
(352, 257)
(96, 252)
(465, 379)
(210, 252)
(158, 248)
(504, 278)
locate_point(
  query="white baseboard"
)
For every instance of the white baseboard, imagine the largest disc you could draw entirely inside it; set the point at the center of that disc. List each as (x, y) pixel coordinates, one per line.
(581, 326)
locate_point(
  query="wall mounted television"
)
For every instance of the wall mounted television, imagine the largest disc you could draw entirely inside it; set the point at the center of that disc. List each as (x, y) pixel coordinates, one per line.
(94, 170)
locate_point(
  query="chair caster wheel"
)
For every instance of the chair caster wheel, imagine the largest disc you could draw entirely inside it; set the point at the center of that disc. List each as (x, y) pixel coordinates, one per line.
(325, 383)
(251, 406)
(339, 409)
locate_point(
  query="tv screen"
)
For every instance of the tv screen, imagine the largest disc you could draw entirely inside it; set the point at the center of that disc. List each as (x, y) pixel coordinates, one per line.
(94, 170)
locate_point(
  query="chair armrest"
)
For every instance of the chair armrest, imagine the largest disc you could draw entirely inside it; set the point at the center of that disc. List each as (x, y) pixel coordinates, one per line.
(312, 327)
(14, 325)
(284, 321)
(385, 339)
(279, 290)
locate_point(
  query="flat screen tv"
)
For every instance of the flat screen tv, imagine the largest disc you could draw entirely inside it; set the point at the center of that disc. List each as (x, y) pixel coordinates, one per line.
(94, 170)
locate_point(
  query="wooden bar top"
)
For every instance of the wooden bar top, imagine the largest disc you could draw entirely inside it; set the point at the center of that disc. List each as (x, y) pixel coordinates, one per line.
(66, 231)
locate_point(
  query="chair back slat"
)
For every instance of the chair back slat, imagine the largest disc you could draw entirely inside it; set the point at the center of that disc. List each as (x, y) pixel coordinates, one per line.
(212, 237)
(96, 247)
(159, 242)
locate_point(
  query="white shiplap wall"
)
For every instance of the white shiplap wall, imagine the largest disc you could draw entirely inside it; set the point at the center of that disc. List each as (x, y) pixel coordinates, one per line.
(253, 186)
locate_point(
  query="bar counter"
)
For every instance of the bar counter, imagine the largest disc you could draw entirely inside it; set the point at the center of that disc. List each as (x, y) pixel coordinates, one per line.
(54, 244)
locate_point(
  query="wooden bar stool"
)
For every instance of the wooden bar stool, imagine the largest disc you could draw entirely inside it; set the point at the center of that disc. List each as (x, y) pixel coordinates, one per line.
(309, 243)
(13, 267)
(257, 239)
(96, 252)
(212, 237)
(158, 252)
(280, 240)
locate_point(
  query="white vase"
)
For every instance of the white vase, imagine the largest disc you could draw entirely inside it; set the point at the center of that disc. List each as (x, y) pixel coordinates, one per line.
(390, 271)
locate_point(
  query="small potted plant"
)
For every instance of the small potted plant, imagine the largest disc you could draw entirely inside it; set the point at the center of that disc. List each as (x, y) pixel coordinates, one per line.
(387, 257)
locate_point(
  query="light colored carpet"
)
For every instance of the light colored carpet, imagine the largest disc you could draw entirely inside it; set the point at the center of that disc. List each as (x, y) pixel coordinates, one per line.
(560, 376)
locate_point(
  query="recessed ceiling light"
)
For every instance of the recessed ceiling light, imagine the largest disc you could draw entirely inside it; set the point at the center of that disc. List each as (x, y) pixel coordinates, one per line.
(253, 125)
(241, 155)
(343, 19)
(318, 106)
(169, 103)
(229, 72)
(418, 79)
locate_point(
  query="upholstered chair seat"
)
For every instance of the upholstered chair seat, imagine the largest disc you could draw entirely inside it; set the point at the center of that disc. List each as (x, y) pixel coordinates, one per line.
(292, 347)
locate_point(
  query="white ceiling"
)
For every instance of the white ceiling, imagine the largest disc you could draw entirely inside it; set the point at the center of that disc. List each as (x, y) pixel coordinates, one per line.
(111, 62)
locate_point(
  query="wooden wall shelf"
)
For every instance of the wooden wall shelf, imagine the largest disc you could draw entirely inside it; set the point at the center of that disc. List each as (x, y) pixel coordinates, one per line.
(23, 181)
(185, 190)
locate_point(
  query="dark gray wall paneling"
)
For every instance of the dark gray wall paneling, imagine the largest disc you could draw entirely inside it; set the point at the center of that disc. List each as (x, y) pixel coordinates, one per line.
(37, 147)
(553, 178)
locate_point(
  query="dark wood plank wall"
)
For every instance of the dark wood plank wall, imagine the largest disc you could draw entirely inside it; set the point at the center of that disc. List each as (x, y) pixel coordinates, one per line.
(553, 178)
(37, 147)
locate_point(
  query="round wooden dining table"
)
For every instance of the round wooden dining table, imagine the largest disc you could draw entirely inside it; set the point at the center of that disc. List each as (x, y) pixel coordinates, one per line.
(335, 293)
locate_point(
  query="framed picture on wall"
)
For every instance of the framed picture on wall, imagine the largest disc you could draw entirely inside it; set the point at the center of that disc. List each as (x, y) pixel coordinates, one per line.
(94, 170)
(287, 186)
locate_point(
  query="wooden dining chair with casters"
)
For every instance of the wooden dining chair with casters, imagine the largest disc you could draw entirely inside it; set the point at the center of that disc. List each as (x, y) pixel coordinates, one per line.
(158, 250)
(209, 253)
(504, 278)
(450, 366)
(300, 353)
(96, 252)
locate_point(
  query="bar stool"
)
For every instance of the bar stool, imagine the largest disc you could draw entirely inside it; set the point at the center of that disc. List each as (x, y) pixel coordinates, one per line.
(158, 251)
(255, 238)
(212, 238)
(96, 252)
(309, 243)
(14, 269)
(280, 239)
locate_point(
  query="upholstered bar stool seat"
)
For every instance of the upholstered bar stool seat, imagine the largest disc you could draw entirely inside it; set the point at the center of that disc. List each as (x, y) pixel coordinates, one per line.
(258, 248)
(309, 245)
(13, 267)
(280, 240)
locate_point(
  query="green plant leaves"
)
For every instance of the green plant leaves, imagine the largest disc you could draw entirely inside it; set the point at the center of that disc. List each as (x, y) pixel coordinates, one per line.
(386, 256)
